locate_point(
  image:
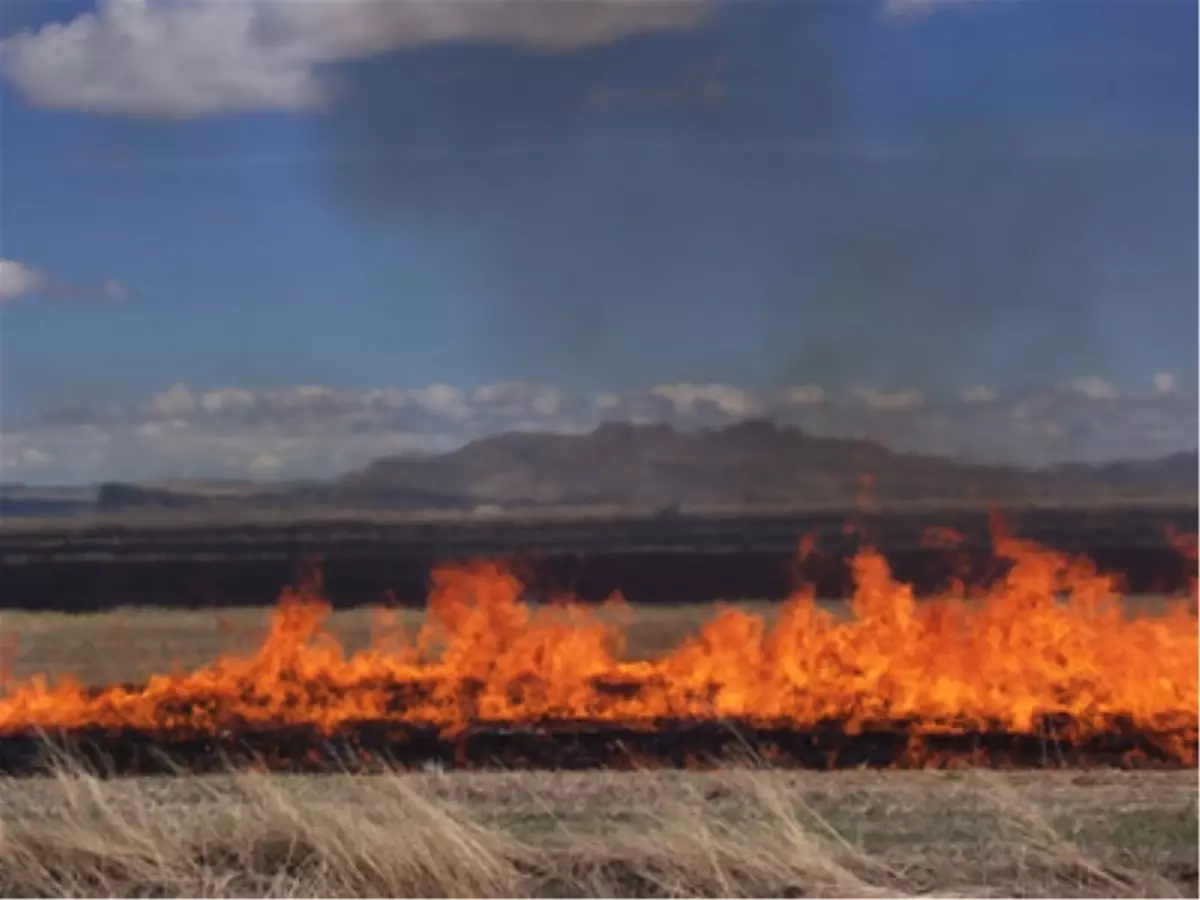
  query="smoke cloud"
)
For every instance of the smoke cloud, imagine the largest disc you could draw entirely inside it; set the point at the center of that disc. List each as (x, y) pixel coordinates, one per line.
(859, 192)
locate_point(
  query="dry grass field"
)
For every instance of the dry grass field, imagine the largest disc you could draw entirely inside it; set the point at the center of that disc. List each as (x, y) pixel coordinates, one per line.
(128, 645)
(674, 834)
(747, 832)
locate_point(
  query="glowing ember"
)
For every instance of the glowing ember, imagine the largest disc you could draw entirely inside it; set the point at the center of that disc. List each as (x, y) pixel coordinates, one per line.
(1052, 639)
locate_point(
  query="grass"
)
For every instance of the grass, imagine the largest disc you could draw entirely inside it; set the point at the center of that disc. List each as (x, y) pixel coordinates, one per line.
(734, 833)
(129, 645)
(661, 834)
(737, 833)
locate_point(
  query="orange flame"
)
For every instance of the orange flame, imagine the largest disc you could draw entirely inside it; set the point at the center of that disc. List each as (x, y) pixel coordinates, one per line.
(1052, 638)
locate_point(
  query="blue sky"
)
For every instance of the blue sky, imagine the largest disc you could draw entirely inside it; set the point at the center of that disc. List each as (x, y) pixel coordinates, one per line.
(852, 195)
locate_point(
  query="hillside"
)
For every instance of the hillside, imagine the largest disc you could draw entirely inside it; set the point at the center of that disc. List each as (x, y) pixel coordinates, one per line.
(746, 465)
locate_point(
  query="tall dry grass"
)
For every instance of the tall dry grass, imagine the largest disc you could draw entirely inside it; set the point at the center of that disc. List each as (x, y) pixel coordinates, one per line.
(395, 835)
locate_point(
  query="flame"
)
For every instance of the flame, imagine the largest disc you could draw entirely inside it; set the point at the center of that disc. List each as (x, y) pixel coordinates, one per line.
(1053, 638)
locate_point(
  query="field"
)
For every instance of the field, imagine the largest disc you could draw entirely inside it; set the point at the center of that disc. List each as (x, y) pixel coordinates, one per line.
(741, 832)
(181, 562)
(749, 830)
(724, 834)
(96, 648)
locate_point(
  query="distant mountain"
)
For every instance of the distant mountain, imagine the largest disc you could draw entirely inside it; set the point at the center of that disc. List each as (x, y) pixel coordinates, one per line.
(29, 500)
(1168, 472)
(750, 464)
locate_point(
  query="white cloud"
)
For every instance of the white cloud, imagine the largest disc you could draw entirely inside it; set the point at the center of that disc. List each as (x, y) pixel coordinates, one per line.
(513, 396)
(160, 428)
(165, 58)
(26, 458)
(175, 401)
(33, 458)
(443, 400)
(803, 395)
(18, 279)
(547, 402)
(893, 400)
(54, 453)
(501, 392)
(264, 464)
(979, 394)
(387, 398)
(138, 57)
(725, 398)
(304, 395)
(227, 399)
(1165, 383)
(1094, 388)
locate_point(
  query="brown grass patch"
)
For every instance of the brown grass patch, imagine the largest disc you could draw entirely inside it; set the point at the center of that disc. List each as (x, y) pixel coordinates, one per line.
(727, 834)
(131, 644)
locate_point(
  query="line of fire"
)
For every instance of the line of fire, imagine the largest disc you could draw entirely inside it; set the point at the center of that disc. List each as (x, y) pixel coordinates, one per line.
(1050, 666)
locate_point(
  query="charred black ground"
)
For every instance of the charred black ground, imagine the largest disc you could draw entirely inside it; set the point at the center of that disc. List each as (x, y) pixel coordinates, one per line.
(664, 560)
(582, 745)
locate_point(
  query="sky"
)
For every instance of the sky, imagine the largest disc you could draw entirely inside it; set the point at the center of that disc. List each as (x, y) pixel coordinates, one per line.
(271, 238)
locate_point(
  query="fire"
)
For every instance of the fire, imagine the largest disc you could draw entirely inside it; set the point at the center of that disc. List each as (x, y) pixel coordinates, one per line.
(1053, 638)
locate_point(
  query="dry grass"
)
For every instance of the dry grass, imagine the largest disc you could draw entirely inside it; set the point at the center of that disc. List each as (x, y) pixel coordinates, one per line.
(665, 834)
(129, 645)
(727, 834)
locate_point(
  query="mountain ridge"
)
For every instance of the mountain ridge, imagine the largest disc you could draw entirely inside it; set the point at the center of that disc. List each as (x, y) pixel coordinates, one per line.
(749, 464)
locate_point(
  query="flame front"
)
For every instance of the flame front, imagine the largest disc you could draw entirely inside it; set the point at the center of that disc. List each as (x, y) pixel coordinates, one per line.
(1052, 638)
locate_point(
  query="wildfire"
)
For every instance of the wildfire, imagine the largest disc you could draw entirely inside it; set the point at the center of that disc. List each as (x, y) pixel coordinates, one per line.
(1053, 638)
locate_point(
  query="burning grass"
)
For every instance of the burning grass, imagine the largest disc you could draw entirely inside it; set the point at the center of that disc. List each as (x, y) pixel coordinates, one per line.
(722, 834)
(95, 648)
(1053, 639)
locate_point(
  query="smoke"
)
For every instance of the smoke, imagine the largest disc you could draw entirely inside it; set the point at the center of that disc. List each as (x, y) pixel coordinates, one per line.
(860, 199)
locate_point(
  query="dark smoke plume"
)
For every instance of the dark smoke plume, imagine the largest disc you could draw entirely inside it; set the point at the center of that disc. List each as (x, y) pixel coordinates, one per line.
(865, 191)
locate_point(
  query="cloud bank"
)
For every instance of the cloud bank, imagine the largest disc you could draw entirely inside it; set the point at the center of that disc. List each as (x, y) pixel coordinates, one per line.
(166, 59)
(321, 431)
(170, 59)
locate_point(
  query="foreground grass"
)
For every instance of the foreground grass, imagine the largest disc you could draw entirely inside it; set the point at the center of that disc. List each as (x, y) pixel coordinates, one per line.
(669, 834)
